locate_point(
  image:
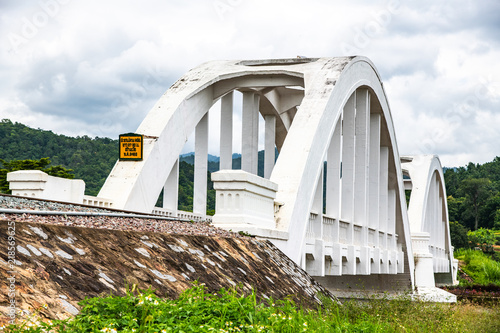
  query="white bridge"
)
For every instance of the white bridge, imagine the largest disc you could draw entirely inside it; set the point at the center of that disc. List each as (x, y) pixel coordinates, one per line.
(345, 221)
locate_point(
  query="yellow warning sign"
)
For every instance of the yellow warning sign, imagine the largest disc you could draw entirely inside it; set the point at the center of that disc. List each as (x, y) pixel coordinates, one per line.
(131, 147)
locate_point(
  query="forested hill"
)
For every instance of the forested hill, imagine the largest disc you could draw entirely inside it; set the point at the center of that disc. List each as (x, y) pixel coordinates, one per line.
(90, 159)
(474, 195)
(473, 191)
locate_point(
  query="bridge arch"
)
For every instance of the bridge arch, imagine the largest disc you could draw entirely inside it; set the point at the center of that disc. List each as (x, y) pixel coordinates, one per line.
(337, 219)
(428, 217)
(182, 110)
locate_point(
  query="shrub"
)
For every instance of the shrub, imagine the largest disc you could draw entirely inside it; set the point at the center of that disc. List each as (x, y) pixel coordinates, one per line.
(479, 266)
(483, 238)
(228, 310)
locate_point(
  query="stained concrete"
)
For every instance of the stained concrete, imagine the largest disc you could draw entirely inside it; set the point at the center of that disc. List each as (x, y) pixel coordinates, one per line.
(60, 265)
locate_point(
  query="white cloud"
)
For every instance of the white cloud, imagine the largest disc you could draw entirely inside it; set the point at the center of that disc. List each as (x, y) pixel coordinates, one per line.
(96, 68)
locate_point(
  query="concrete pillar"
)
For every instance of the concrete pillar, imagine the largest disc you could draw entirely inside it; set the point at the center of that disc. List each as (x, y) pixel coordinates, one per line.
(391, 231)
(424, 272)
(383, 207)
(373, 190)
(244, 201)
(255, 133)
(200, 166)
(250, 132)
(361, 175)
(361, 156)
(384, 187)
(439, 219)
(333, 174)
(171, 189)
(226, 132)
(348, 142)
(375, 122)
(391, 212)
(269, 152)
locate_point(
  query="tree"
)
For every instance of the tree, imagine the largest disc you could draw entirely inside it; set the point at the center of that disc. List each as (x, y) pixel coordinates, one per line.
(476, 191)
(488, 211)
(496, 223)
(458, 235)
(456, 208)
(41, 164)
(483, 238)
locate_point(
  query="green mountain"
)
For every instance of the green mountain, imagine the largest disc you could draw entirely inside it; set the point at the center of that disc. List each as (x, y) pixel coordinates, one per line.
(91, 159)
(473, 190)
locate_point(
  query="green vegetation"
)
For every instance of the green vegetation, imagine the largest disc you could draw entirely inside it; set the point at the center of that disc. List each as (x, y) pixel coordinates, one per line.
(42, 164)
(482, 238)
(186, 181)
(91, 159)
(473, 191)
(25, 148)
(479, 266)
(473, 195)
(197, 310)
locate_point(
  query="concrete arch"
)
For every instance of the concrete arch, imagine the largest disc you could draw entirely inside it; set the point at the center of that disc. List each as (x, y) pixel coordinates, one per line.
(428, 216)
(136, 185)
(332, 109)
(313, 130)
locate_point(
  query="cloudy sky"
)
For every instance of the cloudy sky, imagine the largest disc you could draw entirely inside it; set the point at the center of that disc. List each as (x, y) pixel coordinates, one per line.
(96, 67)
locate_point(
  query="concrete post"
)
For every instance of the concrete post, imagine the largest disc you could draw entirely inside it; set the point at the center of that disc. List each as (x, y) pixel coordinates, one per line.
(361, 175)
(374, 190)
(347, 196)
(250, 132)
(361, 156)
(374, 170)
(269, 152)
(333, 175)
(384, 187)
(383, 204)
(200, 166)
(424, 276)
(226, 132)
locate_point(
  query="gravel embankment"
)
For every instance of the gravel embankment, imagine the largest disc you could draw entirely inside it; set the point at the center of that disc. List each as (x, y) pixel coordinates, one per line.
(32, 204)
(103, 222)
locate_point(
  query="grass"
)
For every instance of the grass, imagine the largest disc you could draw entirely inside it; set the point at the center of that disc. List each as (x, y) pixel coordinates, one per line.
(479, 266)
(197, 310)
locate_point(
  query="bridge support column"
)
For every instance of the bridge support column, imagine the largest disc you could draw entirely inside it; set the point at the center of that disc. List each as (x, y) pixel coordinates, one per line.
(361, 176)
(171, 190)
(374, 191)
(200, 166)
(226, 132)
(250, 132)
(391, 232)
(333, 200)
(347, 196)
(245, 202)
(269, 152)
(424, 272)
(315, 259)
(333, 176)
(383, 197)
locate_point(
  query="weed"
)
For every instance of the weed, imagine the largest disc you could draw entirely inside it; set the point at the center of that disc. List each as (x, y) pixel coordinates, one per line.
(230, 310)
(479, 266)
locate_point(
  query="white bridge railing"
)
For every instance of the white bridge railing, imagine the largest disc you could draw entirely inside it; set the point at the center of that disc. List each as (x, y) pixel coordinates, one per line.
(336, 247)
(180, 214)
